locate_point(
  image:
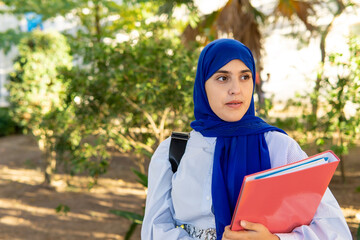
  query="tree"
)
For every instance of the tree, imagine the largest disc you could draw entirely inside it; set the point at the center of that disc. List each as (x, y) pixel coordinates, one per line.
(340, 7)
(37, 92)
(341, 127)
(134, 93)
(120, 96)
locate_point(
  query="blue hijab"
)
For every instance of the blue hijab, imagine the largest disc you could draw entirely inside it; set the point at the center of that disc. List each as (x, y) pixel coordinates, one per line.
(240, 148)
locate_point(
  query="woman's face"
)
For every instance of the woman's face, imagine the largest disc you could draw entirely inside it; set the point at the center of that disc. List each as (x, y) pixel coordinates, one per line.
(229, 91)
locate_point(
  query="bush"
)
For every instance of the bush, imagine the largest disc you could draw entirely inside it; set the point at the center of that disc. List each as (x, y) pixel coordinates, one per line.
(7, 125)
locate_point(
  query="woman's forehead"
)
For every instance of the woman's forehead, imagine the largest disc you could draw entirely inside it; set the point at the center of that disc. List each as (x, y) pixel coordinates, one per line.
(236, 63)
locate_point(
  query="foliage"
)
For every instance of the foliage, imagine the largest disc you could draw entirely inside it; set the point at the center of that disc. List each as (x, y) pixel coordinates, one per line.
(84, 145)
(34, 84)
(10, 38)
(47, 9)
(62, 208)
(341, 124)
(7, 125)
(36, 91)
(120, 95)
(338, 127)
(262, 110)
(129, 93)
(136, 218)
(142, 178)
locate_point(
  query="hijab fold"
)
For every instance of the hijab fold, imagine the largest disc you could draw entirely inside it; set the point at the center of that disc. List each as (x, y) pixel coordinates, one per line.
(240, 148)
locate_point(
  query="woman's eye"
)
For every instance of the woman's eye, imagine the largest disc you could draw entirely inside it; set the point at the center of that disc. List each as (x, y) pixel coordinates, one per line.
(245, 77)
(222, 78)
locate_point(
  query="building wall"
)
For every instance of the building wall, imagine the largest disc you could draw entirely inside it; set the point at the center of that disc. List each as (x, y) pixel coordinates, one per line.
(7, 22)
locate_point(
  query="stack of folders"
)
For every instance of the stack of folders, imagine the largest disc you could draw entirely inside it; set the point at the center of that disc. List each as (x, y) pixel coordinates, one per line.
(285, 197)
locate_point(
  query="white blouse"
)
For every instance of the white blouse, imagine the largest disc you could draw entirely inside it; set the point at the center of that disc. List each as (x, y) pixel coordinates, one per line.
(185, 197)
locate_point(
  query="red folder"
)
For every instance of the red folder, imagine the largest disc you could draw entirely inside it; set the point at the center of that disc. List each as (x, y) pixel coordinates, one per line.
(286, 201)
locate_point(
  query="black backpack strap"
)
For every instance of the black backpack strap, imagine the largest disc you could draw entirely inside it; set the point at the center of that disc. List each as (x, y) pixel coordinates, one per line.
(177, 148)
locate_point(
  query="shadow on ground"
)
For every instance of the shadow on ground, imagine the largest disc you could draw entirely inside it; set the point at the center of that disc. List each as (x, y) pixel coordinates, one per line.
(27, 209)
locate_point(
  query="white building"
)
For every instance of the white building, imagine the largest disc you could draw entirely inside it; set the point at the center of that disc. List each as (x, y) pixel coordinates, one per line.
(7, 22)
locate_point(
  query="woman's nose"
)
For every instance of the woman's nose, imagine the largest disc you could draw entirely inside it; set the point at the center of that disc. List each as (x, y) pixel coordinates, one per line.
(234, 88)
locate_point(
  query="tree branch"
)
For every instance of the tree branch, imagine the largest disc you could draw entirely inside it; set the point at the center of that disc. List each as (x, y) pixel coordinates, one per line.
(162, 124)
(147, 115)
(137, 143)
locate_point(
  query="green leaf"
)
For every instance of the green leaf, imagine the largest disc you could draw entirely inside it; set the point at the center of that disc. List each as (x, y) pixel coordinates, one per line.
(142, 178)
(130, 231)
(62, 208)
(320, 141)
(134, 217)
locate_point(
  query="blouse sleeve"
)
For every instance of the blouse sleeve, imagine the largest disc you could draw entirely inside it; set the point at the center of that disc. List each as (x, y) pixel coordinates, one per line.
(158, 220)
(328, 222)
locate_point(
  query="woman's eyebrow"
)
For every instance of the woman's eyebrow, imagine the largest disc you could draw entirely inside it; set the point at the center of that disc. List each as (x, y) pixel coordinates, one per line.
(225, 71)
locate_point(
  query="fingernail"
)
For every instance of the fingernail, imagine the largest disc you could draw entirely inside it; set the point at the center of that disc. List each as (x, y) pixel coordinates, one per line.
(243, 223)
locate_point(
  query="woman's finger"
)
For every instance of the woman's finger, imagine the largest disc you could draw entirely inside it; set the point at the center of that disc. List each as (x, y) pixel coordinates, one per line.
(251, 226)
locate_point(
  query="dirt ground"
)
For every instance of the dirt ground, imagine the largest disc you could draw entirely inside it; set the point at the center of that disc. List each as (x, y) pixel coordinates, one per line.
(27, 209)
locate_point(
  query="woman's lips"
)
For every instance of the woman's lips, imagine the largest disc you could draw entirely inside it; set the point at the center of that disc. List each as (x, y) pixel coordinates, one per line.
(234, 104)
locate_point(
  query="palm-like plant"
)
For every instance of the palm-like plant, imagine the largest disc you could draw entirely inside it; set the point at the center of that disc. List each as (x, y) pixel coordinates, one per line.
(240, 20)
(237, 19)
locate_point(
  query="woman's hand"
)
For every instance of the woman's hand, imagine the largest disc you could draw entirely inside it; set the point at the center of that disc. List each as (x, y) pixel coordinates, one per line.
(252, 231)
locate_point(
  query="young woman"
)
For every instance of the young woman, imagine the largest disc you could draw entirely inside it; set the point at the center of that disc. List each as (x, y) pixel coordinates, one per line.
(227, 143)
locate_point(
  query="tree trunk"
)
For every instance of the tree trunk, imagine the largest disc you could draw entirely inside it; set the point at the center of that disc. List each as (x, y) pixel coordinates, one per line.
(341, 140)
(259, 92)
(50, 160)
(342, 167)
(319, 78)
(50, 165)
(140, 162)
